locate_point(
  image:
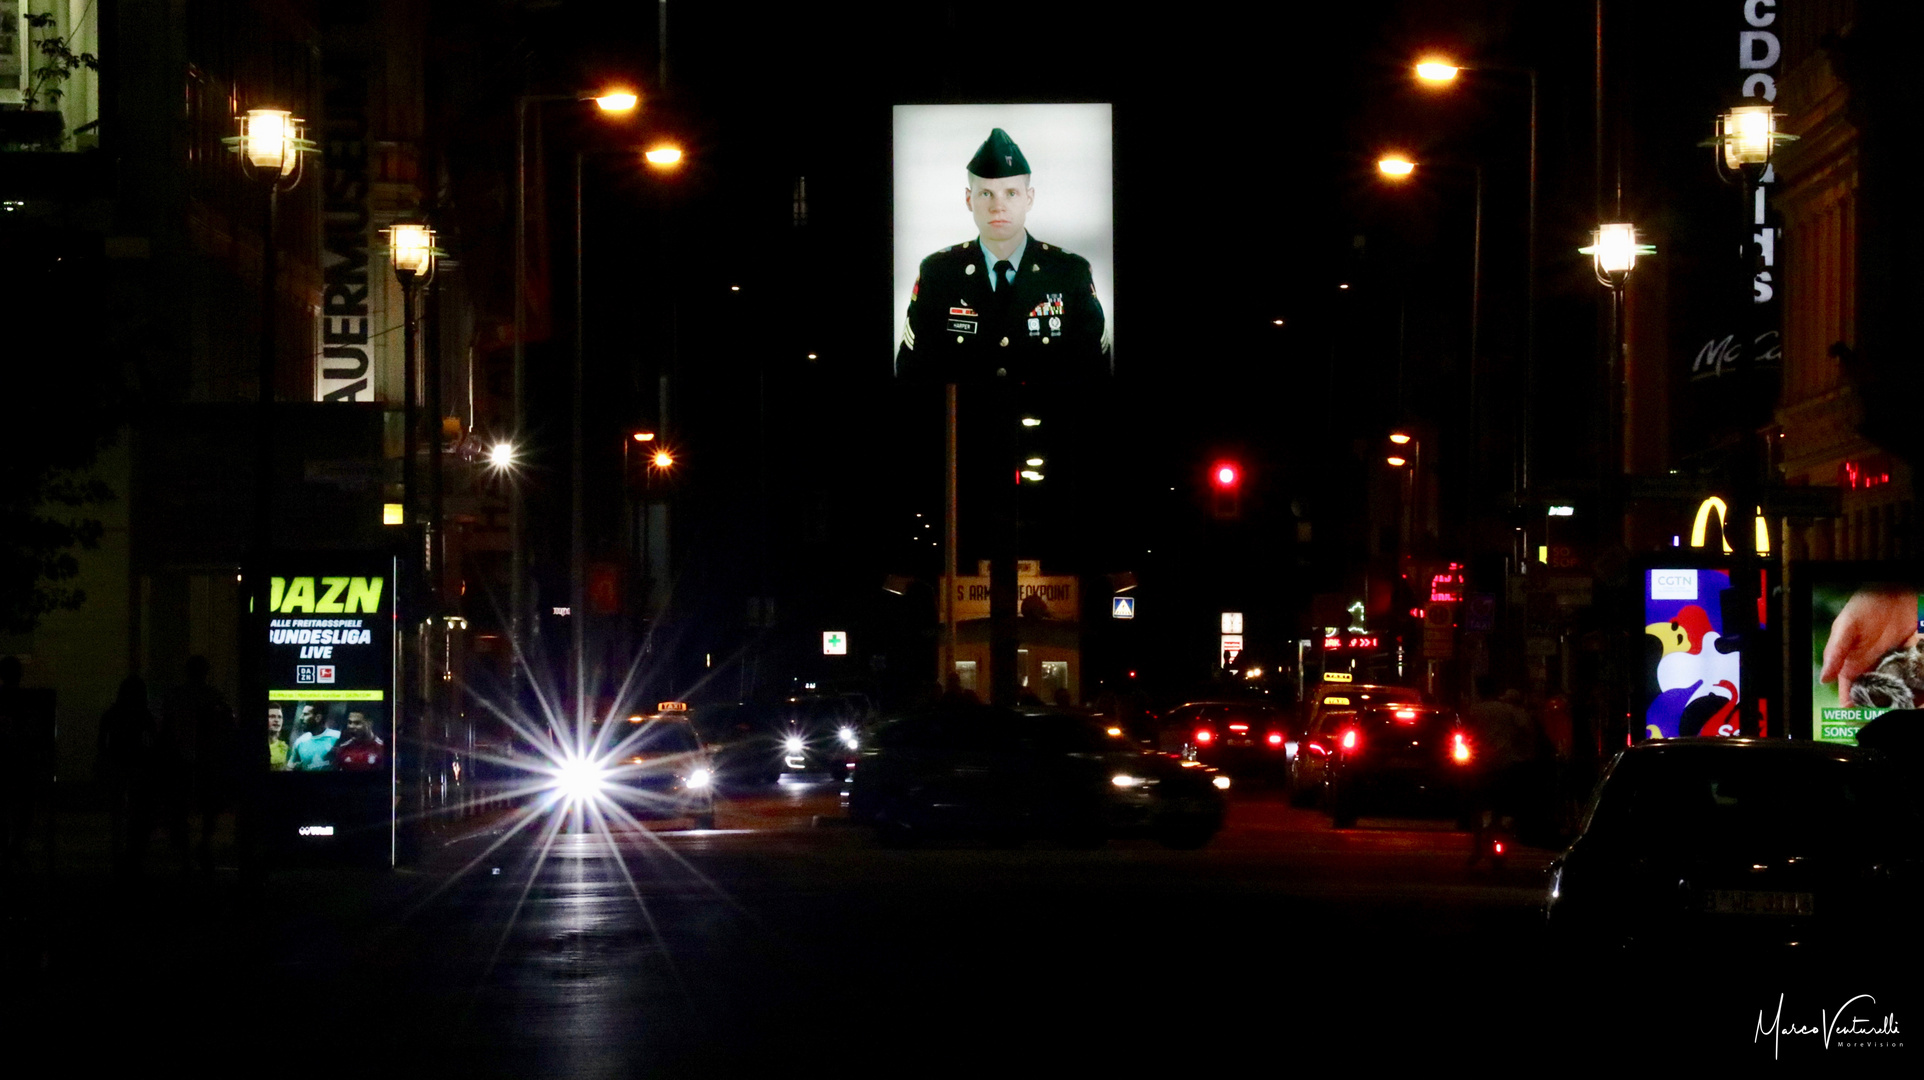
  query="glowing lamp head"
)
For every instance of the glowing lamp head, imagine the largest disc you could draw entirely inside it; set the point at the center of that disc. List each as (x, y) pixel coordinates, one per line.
(1616, 247)
(411, 250)
(1749, 135)
(662, 459)
(617, 101)
(663, 156)
(270, 145)
(1399, 438)
(501, 455)
(1397, 460)
(1437, 70)
(1395, 166)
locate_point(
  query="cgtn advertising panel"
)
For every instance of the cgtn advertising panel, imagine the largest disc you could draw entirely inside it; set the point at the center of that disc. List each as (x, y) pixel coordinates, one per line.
(1692, 675)
(1865, 652)
(1004, 240)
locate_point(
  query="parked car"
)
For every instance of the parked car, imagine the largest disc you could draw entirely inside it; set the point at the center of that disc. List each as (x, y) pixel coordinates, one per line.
(1010, 774)
(1698, 842)
(1410, 758)
(1309, 751)
(1241, 737)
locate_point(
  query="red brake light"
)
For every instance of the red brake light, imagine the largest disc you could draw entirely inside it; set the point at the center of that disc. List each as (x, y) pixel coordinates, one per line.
(1275, 738)
(1499, 847)
(1239, 727)
(1406, 715)
(1460, 749)
(1349, 739)
(1203, 735)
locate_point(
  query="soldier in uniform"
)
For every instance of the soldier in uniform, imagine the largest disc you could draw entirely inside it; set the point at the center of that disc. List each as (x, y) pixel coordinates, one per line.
(1004, 303)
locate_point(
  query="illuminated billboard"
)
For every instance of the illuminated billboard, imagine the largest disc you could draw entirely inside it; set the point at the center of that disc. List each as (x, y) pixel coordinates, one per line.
(330, 667)
(1004, 241)
(1692, 679)
(1864, 647)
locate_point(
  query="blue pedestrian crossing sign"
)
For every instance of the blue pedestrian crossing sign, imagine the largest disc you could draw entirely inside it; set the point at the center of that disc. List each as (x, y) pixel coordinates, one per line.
(1122, 607)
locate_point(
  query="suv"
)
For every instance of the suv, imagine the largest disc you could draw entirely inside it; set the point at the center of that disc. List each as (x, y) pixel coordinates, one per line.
(1403, 755)
(1309, 759)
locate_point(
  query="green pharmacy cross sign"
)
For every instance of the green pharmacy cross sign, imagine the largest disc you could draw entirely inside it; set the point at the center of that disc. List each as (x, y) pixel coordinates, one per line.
(834, 643)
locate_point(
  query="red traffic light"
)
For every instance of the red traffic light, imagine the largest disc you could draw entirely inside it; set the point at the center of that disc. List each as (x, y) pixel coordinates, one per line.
(1226, 474)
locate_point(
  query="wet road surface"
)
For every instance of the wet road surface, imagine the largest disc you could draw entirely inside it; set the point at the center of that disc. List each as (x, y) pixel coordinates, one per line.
(786, 940)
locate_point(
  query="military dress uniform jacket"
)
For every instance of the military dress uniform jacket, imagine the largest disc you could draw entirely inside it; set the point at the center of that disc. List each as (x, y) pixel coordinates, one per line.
(1048, 326)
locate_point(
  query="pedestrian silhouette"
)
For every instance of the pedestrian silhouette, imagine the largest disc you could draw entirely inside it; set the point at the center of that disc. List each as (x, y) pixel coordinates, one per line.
(199, 732)
(125, 767)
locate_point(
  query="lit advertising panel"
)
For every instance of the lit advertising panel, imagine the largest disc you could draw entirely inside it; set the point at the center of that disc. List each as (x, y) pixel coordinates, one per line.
(1863, 647)
(1053, 224)
(329, 640)
(1691, 685)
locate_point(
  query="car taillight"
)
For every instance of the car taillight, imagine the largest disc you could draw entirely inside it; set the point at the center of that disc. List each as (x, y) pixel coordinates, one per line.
(1406, 716)
(1204, 735)
(1239, 727)
(1460, 749)
(1275, 738)
(1350, 739)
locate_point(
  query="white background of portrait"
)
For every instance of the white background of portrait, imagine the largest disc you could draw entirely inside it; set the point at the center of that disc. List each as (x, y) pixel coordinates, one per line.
(1071, 158)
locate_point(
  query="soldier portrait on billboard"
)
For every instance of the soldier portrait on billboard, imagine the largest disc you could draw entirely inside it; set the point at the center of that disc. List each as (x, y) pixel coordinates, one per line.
(1004, 302)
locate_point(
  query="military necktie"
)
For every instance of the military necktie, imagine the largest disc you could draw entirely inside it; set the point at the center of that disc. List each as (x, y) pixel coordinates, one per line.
(1003, 273)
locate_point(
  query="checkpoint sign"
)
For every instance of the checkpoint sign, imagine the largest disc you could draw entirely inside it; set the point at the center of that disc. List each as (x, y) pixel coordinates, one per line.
(1122, 607)
(834, 643)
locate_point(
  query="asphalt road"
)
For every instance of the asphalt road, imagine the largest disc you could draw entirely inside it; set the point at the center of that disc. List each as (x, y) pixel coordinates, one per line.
(785, 940)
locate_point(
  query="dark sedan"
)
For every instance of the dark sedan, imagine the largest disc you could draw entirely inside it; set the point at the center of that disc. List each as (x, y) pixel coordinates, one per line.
(1009, 774)
(1745, 842)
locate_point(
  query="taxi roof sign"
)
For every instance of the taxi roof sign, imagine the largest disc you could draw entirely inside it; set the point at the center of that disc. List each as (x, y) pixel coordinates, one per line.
(1336, 676)
(671, 706)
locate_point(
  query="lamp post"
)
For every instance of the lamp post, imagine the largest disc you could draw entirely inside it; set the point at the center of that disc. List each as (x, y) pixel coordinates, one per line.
(1397, 168)
(1437, 71)
(1744, 140)
(271, 149)
(612, 101)
(661, 157)
(411, 254)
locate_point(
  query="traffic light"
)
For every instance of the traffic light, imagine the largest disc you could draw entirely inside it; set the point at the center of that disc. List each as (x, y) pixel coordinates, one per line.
(1226, 490)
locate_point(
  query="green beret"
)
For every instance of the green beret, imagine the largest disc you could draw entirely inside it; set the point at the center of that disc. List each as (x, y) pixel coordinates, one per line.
(998, 157)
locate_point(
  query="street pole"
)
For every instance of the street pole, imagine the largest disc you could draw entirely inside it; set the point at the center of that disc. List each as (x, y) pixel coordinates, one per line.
(951, 534)
(577, 546)
(517, 558)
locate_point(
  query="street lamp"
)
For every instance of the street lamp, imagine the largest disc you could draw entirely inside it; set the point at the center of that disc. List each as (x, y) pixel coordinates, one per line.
(1744, 141)
(1439, 71)
(1397, 168)
(411, 253)
(271, 149)
(613, 101)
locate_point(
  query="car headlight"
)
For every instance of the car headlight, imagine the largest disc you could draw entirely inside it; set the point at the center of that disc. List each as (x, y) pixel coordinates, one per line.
(794, 744)
(1221, 782)
(1125, 780)
(847, 735)
(700, 778)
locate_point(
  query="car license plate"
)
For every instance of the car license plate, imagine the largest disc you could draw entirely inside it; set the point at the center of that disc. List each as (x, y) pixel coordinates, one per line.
(1756, 902)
